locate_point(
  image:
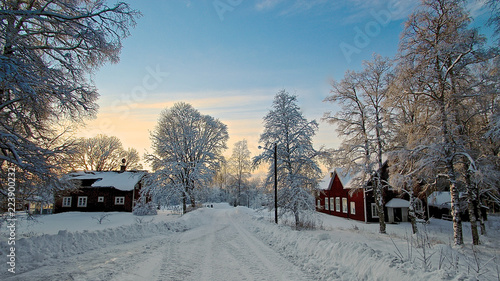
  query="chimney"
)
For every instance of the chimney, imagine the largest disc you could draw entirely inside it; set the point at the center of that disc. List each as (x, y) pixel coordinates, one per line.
(123, 167)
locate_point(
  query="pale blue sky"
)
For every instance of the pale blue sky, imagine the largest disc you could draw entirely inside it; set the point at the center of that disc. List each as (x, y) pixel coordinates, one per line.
(230, 57)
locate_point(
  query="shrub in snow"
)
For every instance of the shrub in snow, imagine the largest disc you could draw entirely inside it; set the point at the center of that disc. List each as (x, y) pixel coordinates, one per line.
(142, 208)
(103, 217)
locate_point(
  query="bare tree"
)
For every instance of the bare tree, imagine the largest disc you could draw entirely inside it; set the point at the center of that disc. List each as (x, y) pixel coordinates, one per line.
(240, 166)
(47, 51)
(187, 153)
(104, 153)
(438, 50)
(362, 122)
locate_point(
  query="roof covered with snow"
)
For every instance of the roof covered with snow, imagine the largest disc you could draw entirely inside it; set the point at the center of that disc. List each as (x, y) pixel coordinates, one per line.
(398, 203)
(124, 181)
(345, 178)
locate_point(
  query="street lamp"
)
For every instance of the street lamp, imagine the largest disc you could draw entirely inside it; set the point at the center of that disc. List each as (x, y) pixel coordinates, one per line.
(275, 181)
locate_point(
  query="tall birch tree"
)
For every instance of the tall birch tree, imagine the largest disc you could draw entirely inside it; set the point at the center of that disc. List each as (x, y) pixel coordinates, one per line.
(362, 123)
(438, 48)
(240, 166)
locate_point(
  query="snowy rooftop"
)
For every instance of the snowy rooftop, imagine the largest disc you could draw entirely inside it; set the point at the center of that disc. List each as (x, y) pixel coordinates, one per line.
(345, 178)
(398, 203)
(124, 181)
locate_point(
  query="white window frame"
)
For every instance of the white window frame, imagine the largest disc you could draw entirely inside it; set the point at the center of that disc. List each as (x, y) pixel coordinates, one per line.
(120, 200)
(353, 208)
(419, 206)
(337, 204)
(345, 209)
(331, 203)
(100, 199)
(374, 210)
(66, 201)
(82, 202)
(326, 204)
(319, 204)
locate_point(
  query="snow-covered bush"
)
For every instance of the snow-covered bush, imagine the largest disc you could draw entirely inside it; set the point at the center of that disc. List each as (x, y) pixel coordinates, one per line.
(142, 208)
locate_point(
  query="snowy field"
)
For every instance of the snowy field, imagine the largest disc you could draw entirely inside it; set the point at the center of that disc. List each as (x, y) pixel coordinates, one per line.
(226, 243)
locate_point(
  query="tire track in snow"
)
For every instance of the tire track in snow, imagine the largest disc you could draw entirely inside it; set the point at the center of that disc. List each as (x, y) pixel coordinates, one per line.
(220, 248)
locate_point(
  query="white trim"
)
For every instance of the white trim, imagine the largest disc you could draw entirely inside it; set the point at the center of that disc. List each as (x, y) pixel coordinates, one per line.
(374, 210)
(419, 206)
(120, 200)
(331, 201)
(326, 204)
(337, 204)
(100, 199)
(353, 208)
(82, 202)
(345, 208)
(66, 202)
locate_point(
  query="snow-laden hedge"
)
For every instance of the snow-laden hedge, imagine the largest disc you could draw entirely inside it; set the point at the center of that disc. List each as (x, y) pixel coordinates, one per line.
(37, 251)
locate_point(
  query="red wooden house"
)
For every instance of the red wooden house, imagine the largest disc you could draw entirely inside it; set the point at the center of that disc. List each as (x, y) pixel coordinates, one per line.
(337, 197)
(101, 192)
(340, 195)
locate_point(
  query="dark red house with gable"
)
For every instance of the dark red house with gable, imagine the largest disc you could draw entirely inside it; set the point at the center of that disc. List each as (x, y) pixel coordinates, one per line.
(339, 195)
(101, 192)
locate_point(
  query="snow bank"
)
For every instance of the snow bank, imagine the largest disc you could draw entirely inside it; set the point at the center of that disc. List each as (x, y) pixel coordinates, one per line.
(321, 254)
(37, 251)
(349, 252)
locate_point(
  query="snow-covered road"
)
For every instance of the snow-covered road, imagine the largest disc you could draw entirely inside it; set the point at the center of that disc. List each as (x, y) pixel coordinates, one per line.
(221, 247)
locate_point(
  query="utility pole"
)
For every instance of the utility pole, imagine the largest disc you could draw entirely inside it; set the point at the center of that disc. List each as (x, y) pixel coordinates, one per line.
(275, 183)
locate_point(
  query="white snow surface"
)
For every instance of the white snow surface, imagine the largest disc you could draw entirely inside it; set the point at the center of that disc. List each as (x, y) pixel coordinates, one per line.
(124, 181)
(226, 243)
(345, 178)
(398, 203)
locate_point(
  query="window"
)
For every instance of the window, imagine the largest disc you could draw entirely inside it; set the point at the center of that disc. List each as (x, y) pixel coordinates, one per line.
(344, 205)
(331, 202)
(353, 208)
(66, 202)
(119, 200)
(326, 204)
(374, 211)
(419, 207)
(100, 199)
(337, 203)
(319, 204)
(82, 201)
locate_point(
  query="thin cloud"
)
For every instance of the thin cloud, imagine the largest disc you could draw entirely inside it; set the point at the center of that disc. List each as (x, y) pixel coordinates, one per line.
(267, 4)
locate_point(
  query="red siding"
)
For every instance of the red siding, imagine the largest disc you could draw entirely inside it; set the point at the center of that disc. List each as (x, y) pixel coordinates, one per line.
(336, 190)
(92, 194)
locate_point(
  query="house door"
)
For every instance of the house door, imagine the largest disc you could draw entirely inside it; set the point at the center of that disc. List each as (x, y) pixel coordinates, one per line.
(398, 214)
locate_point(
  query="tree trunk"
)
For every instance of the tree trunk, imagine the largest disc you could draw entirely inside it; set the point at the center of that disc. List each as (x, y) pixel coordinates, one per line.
(184, 209)
(455, 212)
(411, 212)
(482, 217)
(473, 219)
(297, 220)
(379, 201)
